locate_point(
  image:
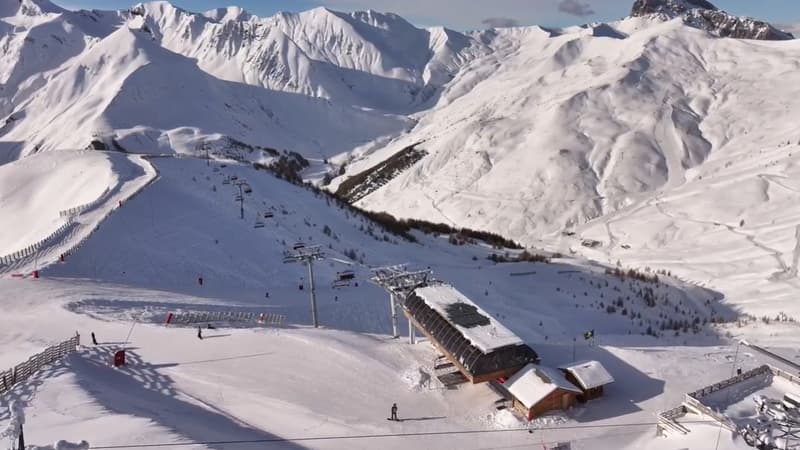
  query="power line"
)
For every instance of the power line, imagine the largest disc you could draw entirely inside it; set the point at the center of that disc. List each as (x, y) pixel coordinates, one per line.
(391, 435)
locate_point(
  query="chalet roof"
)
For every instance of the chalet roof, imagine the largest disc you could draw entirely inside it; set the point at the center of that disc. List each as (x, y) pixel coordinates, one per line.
(533, 383)
(478, 326)
(590, 374)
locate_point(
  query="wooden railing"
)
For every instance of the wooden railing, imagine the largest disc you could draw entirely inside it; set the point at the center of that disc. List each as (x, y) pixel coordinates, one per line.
(23, 371)
(80, 208)
(33, 248)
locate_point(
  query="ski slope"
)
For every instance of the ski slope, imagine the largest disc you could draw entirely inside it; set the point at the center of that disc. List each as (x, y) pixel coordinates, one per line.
(54, 201)
(733, 227)
(668, 148)
(299, 382)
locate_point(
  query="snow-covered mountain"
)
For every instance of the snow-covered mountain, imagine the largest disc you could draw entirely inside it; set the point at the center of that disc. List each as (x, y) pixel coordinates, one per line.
(526, 132)
(158, 78)
(643, 143)
(706, 16)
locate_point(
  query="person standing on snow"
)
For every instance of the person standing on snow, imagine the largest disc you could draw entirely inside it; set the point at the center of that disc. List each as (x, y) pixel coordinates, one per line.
(199, 333)
(394, 412)
(94, 339)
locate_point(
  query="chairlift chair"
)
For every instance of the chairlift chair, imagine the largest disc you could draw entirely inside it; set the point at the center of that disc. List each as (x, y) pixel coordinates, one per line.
(298, 246)
(346, 275)
(226, 181)
(343, 278)
(234, 177)
(238, 198)
(258, 224)
(247, 189)
(268, 214)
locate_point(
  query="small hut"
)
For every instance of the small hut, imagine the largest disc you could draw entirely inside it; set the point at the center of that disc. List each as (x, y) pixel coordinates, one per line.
(536, 390)
(590, 376)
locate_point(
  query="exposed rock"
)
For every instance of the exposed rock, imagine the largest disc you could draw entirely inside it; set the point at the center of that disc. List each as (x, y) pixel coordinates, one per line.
(704, 15)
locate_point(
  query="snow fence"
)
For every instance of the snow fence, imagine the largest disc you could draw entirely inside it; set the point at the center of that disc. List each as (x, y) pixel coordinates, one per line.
(23, 371)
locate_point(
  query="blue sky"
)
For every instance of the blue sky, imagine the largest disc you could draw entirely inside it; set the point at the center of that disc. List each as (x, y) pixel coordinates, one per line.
(471, 14)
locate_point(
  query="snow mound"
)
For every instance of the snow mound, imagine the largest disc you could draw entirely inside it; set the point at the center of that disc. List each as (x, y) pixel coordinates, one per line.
(62, 445)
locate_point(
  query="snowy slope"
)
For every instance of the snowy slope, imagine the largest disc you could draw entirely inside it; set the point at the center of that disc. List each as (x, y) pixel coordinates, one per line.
(36, 189)
(578, 129)
(262, 383)
(296, 81)
(569, 128)
(639, 135)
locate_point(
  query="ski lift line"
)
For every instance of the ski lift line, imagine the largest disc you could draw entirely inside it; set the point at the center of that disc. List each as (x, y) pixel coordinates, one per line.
(349, 263)
(392, 435)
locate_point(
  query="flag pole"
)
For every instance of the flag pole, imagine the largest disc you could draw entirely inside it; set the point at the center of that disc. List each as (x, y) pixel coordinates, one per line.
(573, 347)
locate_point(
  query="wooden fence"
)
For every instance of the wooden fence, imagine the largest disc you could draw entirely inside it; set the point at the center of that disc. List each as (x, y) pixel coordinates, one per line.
(693, 399)
(708, 390)
(225, 316)
(80, 208)
(70, 215)
(33, 248)
(786, 375)
(23, 371)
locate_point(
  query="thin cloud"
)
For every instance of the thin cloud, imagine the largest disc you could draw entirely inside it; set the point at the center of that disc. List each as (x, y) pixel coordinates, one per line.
(500, 22)
(575, 8)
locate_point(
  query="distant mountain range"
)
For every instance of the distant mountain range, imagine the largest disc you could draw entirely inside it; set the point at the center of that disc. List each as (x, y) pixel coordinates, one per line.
(522, 131)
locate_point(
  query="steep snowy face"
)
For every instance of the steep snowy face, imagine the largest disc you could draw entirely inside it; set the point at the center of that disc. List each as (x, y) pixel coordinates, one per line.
(702, 14)
(550, 132)
(367, 59)
(71, 78)
(10, 8)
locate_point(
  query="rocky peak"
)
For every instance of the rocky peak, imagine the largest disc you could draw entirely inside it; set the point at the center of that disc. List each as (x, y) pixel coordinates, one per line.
(671, 8)
(704, 15)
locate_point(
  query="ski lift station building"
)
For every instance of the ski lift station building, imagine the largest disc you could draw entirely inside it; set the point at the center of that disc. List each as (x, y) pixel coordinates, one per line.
(471, 339)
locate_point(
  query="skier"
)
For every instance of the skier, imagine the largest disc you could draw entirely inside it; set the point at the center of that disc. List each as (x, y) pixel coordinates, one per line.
(199, 333)
(94, 339)
(200, 281)
(394, 412)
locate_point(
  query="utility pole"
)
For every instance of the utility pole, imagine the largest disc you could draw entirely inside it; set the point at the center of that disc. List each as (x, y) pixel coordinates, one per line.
(241, 198)
(400, 283)
(307, 255)
(573, 347)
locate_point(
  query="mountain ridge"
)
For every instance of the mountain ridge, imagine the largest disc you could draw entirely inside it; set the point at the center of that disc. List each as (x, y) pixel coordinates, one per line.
(704, 15)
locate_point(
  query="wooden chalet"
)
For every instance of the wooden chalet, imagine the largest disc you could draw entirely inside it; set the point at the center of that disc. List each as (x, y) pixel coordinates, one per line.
(590, 376)
(536, 390)
(479, 346)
